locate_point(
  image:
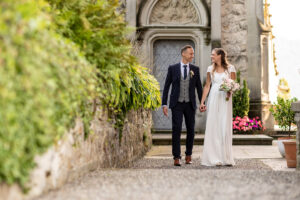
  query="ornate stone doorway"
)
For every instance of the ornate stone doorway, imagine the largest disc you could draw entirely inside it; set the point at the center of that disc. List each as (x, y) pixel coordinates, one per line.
(164, 26)
(165, 52)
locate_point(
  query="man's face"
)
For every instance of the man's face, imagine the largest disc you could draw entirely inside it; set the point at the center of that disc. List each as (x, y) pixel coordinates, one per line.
(188, 54)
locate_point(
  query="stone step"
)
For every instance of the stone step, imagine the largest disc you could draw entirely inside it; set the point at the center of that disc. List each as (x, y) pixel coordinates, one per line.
(166, 139)
(155, 131)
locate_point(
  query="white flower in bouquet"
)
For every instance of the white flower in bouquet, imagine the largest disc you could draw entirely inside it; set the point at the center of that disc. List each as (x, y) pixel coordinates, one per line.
(229, 85)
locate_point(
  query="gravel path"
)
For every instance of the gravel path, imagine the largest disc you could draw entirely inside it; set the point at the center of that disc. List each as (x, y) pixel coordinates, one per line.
(158, 179)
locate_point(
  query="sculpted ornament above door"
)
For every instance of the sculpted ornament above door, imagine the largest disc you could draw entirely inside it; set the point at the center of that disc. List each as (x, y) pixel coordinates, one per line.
(174, 12)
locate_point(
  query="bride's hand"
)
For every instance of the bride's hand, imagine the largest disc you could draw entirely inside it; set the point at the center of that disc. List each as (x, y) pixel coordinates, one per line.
(228, 95)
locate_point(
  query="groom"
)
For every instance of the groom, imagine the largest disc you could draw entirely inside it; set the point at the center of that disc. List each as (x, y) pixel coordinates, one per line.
(185, 78)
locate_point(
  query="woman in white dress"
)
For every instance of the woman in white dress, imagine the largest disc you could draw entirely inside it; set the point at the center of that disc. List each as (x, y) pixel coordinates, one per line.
(217, 148)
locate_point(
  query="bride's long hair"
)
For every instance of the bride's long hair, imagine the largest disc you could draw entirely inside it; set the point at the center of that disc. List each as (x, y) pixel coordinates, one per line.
(224, 61)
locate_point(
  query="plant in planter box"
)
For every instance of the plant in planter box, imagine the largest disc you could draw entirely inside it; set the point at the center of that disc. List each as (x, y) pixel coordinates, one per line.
(246, 124)
(284, 116)
(283, 113)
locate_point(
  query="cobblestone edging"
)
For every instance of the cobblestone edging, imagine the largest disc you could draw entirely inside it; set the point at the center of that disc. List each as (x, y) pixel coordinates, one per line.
(73, 156)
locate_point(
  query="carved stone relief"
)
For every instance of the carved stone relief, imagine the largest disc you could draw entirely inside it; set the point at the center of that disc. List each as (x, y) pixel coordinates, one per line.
(174, 12)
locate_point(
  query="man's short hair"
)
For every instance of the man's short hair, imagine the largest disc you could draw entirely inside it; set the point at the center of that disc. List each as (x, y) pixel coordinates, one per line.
(183, 49)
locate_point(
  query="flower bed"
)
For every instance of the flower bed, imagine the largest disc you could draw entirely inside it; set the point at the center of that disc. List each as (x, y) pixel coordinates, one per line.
(246, 125)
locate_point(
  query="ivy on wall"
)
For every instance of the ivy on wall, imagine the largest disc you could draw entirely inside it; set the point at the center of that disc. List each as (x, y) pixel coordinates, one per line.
(56, 57)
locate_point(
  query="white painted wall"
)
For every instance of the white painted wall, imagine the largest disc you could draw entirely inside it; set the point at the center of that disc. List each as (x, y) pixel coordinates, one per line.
(285, 19)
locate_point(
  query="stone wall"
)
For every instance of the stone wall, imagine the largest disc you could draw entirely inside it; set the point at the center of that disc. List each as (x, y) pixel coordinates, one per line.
(296, 109)
(234, 32)
(73, 156)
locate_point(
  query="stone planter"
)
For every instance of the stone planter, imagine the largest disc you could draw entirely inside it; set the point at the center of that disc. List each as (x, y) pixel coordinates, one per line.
(285, 132)
(290, 153)
(252, 132)
(280, 145)
(296, 109)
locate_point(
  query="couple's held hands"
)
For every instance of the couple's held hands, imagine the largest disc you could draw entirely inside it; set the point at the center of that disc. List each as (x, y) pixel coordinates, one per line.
(202, 108)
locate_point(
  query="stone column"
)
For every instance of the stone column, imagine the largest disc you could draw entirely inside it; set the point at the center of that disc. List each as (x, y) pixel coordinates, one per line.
(216, 23)
(258, 48)
(131, 13)
(296, 109)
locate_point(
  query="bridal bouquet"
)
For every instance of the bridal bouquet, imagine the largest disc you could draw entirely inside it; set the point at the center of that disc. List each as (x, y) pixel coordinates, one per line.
(229, 85)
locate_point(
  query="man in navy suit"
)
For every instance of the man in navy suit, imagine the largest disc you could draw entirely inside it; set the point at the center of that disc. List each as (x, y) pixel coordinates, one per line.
(185, 79)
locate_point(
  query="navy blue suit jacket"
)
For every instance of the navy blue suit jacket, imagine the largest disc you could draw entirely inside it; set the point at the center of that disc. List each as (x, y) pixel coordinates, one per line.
(173, 77)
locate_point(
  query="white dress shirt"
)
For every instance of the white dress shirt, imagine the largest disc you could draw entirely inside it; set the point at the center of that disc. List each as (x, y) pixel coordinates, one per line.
(182, 68)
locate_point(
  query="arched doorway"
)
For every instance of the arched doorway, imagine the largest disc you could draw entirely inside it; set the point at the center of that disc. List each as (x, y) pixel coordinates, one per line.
(165, 52)
(165, 26)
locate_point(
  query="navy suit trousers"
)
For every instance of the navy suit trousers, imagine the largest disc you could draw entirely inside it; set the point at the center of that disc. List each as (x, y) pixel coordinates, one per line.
(183, 109)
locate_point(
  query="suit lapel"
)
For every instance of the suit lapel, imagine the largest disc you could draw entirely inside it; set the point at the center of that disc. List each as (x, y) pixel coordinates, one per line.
(178, 71)
(189, 74)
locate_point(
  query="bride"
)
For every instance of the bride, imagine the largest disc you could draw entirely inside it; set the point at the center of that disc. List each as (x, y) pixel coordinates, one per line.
(217, 149)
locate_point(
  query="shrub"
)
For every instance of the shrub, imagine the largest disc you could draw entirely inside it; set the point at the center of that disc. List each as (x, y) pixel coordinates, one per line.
(241, 100)
(100, 30)
(283, 113)
(51, 72)
(45, 83)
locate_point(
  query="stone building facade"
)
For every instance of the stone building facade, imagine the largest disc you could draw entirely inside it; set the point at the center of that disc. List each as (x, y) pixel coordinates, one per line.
(162, 27)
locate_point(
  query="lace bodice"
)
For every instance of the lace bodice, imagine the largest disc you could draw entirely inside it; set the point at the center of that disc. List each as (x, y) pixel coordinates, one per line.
(217, 78)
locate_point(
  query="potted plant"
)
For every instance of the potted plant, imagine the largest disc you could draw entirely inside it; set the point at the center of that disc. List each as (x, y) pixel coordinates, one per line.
(284, 116)
(290, 152)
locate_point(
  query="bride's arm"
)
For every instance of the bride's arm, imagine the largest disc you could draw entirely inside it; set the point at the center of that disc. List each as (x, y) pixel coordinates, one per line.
(232, 75)
(206, 88)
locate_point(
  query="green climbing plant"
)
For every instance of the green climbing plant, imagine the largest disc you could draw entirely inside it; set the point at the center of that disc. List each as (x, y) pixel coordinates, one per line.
(45, 83)
(99, 28)
(55, 60)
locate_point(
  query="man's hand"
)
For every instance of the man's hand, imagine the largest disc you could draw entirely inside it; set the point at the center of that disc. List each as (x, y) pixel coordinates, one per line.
(165, 110)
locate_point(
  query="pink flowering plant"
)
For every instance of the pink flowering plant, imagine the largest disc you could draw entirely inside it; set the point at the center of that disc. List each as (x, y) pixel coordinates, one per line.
(229, 85)
(244, 124)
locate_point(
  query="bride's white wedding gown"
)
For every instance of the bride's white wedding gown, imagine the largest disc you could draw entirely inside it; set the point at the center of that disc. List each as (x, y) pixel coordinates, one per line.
(217, 148)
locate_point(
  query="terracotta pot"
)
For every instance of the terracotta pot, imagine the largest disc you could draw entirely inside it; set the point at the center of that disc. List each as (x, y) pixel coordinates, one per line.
(290, 153)
(281, 146)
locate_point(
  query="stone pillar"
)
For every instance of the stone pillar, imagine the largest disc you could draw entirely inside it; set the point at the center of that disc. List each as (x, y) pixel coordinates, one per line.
(216, 23)
(296, 109)
(131, 13)
(258, 48)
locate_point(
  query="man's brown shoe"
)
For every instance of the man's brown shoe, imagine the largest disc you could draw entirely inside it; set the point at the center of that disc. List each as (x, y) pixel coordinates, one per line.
(188, 160)
(177, 162)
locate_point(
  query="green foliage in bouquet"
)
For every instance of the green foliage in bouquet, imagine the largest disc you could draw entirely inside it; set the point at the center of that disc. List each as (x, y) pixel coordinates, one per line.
(283, 113)
(241, 99)
(45, 83)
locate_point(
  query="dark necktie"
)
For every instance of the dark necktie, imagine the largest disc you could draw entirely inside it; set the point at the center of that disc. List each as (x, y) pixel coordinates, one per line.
(185, 72)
